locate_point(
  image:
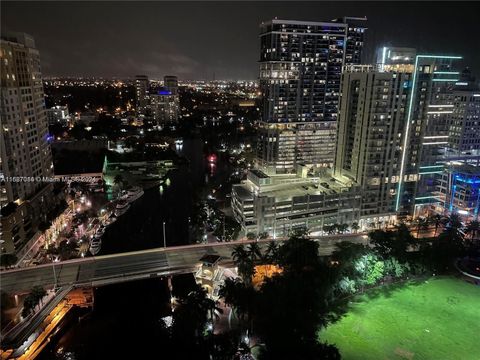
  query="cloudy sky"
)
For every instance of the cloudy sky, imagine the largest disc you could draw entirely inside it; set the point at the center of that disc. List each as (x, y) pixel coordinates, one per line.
(199, 40)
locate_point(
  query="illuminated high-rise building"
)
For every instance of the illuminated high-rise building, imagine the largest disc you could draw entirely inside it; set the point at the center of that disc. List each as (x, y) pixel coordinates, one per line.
(393, 129)
(464, 126)
(426, 145)
(25, 161)
(141, 93)
(300, 69)
(164, 102)
(373, 106)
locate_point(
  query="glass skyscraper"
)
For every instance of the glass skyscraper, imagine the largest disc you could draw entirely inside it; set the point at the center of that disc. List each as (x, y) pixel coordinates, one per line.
(300, 69)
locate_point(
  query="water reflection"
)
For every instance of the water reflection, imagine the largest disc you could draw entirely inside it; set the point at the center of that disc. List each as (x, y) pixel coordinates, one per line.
(124, 323)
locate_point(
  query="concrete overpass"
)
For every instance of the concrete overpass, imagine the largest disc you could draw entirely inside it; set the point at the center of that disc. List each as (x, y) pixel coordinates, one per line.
(116, 268)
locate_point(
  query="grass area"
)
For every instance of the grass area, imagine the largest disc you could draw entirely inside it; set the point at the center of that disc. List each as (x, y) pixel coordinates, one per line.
(437, 319)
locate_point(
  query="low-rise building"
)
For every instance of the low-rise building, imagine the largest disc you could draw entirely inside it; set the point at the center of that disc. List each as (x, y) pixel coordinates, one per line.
(278, 204)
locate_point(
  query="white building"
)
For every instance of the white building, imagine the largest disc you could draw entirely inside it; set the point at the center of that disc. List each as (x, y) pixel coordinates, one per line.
(58, 115)
(278, 204)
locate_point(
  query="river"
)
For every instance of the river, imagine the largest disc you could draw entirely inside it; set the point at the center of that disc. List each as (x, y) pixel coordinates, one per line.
(125, 320)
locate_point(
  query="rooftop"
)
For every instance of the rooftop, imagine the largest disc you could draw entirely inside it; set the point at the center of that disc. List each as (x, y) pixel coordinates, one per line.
(288, 186)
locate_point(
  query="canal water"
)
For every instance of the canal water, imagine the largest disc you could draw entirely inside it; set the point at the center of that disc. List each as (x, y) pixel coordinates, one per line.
(125, 320)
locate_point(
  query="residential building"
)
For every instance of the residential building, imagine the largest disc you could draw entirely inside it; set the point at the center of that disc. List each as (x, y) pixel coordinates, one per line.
(464, 125)
(141, 93)
(283, 146)
(427, 145)
(300, 69)
(392, 142)
(25, 161)
(372, 119)
(164, 106)
(58, 115)
(393, 130)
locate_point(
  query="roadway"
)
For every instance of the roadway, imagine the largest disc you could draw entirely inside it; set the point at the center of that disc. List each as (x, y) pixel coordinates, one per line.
(110, 269)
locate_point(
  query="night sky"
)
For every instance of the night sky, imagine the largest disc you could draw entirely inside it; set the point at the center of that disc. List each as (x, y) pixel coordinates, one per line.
(200, 40)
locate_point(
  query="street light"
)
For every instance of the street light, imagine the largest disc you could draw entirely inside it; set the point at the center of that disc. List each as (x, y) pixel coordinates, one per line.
(54, 273)
(164, 236)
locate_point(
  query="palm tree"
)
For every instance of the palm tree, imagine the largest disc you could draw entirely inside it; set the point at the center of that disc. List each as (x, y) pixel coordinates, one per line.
(271, 252)
(422, 224)
(454, 222)
(355, 227)
(229, 291)
(199, 299)
(240, 296)
(8, 260)
(437, 220)
(329, 229)
(342, 228)
(263, 235)
(254, 251)
(239, 254)
(118, 180)
(472, 228)
(244, 263)
(38, 293)
(192, 314)
(335, 228)
(28, 305)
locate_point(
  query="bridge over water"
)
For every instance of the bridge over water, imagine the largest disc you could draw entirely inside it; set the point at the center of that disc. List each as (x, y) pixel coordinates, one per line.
(136, 265)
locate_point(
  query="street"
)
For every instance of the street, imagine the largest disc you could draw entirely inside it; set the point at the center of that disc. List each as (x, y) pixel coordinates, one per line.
(109, 269)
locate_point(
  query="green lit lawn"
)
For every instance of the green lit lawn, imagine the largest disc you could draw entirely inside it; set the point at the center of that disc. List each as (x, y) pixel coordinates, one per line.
(437, 320)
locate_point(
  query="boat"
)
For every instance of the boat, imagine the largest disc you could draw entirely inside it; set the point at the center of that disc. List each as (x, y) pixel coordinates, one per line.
(123, 196)
(100, 231)
(179, 142)
(121, 208)
(95, 245)
(110, 220)
(134, 194)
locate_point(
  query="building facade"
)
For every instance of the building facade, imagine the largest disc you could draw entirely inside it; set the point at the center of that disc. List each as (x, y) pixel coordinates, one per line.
(141, 93)
(165, 102)
(393, 129)
(26, 162)
(373, 107)
(281, 147)
(58, 115)
(464, 125)
(165, 107)
(426, 144)
(300, 69)
(392, 144)
(458, 190)
(278, 204)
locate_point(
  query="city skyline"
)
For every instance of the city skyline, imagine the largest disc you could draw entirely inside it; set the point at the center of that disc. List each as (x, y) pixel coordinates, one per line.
(98, 40)
(236, 180)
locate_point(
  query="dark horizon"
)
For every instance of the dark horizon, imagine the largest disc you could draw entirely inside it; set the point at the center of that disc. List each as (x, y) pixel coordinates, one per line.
(203, 40)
